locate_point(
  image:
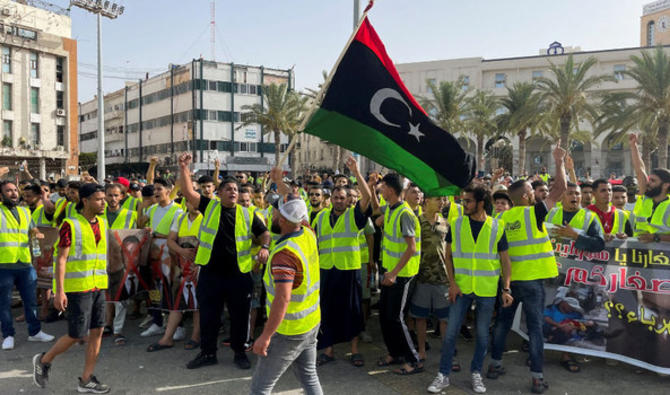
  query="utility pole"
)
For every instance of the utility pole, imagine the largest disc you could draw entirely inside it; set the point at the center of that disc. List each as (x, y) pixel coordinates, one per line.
(111, 11)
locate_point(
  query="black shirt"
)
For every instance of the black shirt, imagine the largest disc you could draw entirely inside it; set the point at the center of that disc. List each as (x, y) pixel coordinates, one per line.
(223, 260)
(476, 227)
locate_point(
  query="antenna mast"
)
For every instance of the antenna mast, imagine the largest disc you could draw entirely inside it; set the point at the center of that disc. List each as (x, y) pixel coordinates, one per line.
(212, 29)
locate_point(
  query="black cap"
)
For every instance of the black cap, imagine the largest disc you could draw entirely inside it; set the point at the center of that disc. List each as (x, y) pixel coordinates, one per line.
(148, 190)
(134, 186)
(87, 190)
(62, 183)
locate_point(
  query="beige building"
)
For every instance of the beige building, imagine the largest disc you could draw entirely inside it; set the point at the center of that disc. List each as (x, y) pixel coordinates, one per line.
(39, 88)
(192, 107)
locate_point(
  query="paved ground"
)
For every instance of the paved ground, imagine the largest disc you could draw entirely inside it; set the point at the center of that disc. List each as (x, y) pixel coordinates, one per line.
(131, 370)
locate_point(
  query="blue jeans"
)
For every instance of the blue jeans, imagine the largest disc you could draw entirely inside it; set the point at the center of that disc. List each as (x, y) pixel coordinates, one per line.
(531, 294)
(457, 311)
(25, 280)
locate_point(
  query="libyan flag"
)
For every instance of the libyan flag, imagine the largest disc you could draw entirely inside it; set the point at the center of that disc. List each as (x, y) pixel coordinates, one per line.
(367, 109)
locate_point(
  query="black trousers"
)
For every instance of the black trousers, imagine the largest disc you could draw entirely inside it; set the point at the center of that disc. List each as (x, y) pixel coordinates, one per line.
(212, 291)
(393, 304)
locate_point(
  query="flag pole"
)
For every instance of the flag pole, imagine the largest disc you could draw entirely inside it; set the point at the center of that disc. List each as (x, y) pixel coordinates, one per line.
(324, 87)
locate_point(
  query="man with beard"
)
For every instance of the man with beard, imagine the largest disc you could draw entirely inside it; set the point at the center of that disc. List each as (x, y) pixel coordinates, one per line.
(224, 254)
(315, 201)
(80, 281)
(650, 217)
(337, 231)
(16, 268)
(541, 190)
(533, 261)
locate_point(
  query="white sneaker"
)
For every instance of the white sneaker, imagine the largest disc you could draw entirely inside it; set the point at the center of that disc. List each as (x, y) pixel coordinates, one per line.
(179, 334)
(477, 383)
(439, 383)
(366, 337)
(153, 331)
(8, 343)
(41, 337)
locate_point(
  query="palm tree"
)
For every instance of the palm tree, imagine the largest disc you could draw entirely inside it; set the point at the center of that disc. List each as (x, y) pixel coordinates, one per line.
(524, 113)
(447, 104)
(282, 112)
(565, 96)
(650, 103)
(480, 120)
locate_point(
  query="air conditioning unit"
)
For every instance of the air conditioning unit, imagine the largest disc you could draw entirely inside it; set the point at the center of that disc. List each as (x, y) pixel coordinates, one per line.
(6, 11)
(60, 112)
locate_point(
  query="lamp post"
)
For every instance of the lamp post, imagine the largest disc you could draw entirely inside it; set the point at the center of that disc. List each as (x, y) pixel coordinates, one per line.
(111, 11)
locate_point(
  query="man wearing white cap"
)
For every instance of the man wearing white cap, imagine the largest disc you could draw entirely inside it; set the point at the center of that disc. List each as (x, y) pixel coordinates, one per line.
(292, 284)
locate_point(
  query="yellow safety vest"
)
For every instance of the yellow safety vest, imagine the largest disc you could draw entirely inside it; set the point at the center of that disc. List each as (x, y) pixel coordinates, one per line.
(303, 312)
(274, 236)
(131, 203)
(70, 209)
(163, 227)
(476, 263)
(210, 226)
(338, 246)
(455, 211)
(86, 266)
(39, 217)
(363, 246)
(645, 219)
(185, 229)
(14, 238)
(394, 245)
(582, 220)
(126, 219)
(530, 249)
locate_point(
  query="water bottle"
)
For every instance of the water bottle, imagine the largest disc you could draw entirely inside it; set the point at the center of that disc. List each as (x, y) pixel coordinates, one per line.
(35, 244)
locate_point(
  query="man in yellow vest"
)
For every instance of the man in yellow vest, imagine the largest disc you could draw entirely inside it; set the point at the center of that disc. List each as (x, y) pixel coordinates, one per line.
(80, 281)
(65, 207)
(452, 210)
(34, 196)
(127, 201)
(476, 254)
(292, 284)
(225, 255)
(401, 253)
(414, 197)
(533, 261)
(316, 198)
(117, 217)
(16, 267)
(620, 198)
(650, 218)
(337, 230)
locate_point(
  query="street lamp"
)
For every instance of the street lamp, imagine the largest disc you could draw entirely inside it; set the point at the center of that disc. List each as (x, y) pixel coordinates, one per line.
(111, 11)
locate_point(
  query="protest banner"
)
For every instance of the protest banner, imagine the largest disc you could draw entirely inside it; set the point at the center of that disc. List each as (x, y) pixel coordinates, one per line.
(43, 264)
(186, 278)
(613, 303)
(127, 257)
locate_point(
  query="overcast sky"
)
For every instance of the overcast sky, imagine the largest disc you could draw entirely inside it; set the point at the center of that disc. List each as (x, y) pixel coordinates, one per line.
(309, 34)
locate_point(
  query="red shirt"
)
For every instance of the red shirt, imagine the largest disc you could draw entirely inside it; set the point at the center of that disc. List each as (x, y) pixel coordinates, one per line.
(65, 234)
(607, 219)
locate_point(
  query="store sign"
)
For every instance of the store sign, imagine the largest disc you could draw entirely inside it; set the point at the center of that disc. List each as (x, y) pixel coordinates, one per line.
(656, 6)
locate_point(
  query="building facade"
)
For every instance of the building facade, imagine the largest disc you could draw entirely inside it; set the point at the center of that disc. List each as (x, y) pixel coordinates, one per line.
(39, 88)
(193, 107)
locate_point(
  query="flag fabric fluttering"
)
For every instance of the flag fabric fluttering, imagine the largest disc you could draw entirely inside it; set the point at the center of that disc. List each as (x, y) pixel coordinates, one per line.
(366, 108)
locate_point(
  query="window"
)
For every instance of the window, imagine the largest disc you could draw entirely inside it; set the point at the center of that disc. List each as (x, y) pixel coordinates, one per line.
(7, 133)
(430, 82)
(6, 60)
(619, 70)
(501, 79)
(33, 65)
(6, 96)
(35, 133)
(60, 135)
(59, 69)
(35, 100)
(650, 33)
(59, 100)
(466, 82)
(243, 88)
(537, 74)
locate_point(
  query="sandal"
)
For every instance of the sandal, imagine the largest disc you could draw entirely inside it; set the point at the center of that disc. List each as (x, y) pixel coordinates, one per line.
(191, 345)
(324, 359)
(158, 347)
(119, 340)
(405, 372)
(383, 361)
(571, 365)
(357, 360)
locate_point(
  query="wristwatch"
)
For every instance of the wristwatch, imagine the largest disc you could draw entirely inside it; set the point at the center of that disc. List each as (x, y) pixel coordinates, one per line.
(267, 247)
(657, 238)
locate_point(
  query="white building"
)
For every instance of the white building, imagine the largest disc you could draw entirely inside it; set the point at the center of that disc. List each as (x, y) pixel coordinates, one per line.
(39, 88)
(192, 107)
